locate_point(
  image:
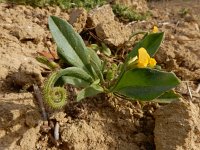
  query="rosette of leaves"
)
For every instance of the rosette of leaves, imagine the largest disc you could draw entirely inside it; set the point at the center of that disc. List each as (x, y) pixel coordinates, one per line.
(87, 71)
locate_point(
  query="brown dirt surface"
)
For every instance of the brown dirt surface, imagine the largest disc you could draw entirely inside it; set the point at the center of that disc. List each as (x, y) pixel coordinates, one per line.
(101, 122)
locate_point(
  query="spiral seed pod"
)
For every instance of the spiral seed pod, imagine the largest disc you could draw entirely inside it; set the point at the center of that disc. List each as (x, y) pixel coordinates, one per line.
(55, 97)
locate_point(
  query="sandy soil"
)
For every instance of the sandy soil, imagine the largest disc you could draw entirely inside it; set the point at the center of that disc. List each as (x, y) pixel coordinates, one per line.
(101, 122)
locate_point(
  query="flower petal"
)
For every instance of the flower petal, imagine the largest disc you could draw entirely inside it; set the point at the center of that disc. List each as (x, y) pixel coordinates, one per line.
(152, 63)
(143, 58)
(155, 29)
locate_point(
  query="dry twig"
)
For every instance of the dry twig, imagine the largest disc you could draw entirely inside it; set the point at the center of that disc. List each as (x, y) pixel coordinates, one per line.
(38, 96)
(189, 91)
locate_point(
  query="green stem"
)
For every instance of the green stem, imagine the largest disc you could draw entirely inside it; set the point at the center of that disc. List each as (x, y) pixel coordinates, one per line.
(136, 33)
(49, 63)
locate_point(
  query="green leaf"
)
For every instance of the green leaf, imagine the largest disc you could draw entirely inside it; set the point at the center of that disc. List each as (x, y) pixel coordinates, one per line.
(105, 49)
(75, 76)
(151, 43)
(145, 83)
(77, 82)
(168, 97)
(94, 47)
(96, 64)
(48, 62)
(94, 57)
(90, 91)
(70, 45)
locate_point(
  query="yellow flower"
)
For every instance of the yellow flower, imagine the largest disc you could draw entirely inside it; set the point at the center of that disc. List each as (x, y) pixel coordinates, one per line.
(152, 62)
(144, 60)
(155, 29)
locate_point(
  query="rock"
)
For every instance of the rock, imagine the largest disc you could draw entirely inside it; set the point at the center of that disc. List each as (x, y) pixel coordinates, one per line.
(100, 15)
(113, 33)
(177, 126)
(78, 18)
(140, 5)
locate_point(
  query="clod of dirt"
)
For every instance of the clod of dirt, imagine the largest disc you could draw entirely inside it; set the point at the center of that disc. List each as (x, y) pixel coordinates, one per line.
(140, 5)
(183, 90)
(84, 136)
(78, 18)
(13, 120)
(29, 139)
(110, 31)
(29, 73)
(76, 136)
(181, 59)
(177, 126)
(32, 118)
(23, 33)
(28, 31)
(60, 117)
(113, 33)
(107, 124)
(100, 15)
